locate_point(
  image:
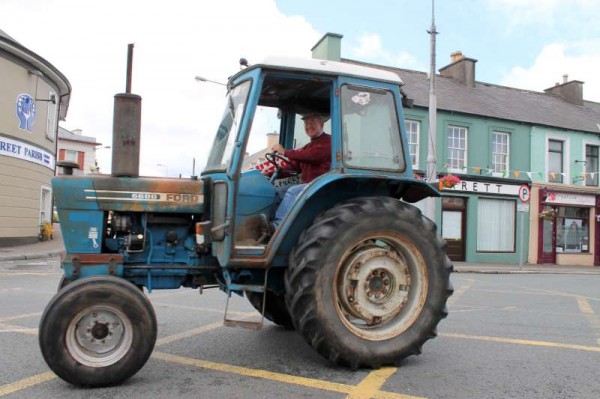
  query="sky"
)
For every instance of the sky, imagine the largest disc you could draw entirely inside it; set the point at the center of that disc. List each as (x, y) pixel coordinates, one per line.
(527, 44)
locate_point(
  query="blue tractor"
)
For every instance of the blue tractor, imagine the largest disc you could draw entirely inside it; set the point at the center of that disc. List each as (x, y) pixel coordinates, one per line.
(360, 273)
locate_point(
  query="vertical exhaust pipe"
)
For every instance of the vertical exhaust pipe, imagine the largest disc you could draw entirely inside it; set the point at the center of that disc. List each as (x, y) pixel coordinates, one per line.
(127, 120)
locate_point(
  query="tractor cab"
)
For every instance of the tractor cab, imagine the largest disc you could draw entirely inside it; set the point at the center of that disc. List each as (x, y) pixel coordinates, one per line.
(269, 99)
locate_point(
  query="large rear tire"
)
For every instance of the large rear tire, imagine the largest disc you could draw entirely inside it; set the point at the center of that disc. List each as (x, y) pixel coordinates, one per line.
(368, 282)
(98, 331)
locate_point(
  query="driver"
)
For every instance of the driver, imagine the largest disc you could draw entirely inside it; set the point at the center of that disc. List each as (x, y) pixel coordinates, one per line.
(312, 160)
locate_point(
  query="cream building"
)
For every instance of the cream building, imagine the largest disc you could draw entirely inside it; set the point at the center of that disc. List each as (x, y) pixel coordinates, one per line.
(34, 97)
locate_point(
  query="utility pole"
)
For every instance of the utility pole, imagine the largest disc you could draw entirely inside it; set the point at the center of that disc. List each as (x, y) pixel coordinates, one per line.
(431, 157)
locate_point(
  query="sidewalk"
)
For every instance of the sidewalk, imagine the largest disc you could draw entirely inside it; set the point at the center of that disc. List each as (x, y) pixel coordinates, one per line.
(54, 247)
(41, 249)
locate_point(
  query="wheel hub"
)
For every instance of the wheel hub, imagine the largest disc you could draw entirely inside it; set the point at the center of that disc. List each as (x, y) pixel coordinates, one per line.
(375, 285)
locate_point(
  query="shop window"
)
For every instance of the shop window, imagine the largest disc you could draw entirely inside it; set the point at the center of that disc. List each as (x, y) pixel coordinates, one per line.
(572, 230)
(495, 225)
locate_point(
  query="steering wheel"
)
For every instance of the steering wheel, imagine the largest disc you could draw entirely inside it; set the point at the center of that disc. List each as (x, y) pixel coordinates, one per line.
(272, 158)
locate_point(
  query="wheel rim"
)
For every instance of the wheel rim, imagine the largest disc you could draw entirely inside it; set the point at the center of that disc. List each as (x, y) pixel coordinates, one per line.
(99, 336)
(381, 286)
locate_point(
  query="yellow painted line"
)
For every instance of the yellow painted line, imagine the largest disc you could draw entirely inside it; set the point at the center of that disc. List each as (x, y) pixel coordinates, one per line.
(523, 342)
(195, 331)
(268, 375)
(12, 328)
(26, 383)
(370, 386)
(13, 274)
(584, 306)
(21, 316)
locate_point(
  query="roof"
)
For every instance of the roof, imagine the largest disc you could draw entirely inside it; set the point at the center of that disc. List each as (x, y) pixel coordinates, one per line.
(326, 67)
(64, 134)
(499, 102)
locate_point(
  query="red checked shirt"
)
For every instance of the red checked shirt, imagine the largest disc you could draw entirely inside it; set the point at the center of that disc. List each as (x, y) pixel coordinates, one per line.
(313, 159)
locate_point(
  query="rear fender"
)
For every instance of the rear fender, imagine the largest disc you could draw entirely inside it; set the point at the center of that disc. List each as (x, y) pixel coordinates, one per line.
(328, 190)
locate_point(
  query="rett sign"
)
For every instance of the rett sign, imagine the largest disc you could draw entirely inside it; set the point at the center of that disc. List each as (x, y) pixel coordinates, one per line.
(486, 188)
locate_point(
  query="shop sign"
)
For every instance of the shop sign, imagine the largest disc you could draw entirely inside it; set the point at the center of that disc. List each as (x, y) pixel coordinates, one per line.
(570, 199)
(26, 152)
(485, 188)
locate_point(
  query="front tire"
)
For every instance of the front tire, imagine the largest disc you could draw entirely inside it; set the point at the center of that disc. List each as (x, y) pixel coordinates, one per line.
(368, 282)
(98, 331)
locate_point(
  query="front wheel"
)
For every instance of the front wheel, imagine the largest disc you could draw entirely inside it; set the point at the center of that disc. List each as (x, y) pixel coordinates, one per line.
(97, 331)
(368, 282)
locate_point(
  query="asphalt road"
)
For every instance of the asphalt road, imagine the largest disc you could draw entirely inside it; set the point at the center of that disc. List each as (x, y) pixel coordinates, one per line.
(507, 336)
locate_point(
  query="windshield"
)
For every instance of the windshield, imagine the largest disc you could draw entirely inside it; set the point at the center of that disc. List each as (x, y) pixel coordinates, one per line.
(222, 148)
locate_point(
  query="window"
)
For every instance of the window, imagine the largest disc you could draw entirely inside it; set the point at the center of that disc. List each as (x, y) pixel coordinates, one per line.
(457, 148)
(555, 161)
(71, 155)
(495, 225)
(591, 165)
(45, 205)
(413, 129)
(52, 115)
(572, 229)
(371, 133)
(500, 149)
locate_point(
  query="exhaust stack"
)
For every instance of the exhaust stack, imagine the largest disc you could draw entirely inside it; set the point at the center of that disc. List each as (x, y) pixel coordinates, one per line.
(127, 118)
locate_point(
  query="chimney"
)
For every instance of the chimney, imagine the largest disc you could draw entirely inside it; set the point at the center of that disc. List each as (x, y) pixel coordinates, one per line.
(461, 69)
(77, 132)
(329, 47)
(571, 92)
(272, 139)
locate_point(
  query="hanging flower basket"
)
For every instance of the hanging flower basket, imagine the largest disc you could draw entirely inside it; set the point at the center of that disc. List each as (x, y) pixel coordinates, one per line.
(449, 181)
(547, 214)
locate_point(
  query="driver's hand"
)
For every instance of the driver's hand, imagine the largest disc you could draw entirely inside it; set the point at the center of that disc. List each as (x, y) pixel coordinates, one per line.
(278, 148)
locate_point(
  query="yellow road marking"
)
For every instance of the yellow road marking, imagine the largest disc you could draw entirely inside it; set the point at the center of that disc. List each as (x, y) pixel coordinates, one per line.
(26, 383)
(370, 386)
(584, 305)
(21, 316)
(12, 328)
(522, 342)
(268, 375)
(12, 274)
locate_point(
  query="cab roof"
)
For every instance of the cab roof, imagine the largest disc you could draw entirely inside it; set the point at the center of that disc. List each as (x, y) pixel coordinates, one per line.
(324, 67)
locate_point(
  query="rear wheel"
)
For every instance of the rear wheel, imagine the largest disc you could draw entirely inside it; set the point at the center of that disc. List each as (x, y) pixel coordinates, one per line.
(97, 331)
(368, 282)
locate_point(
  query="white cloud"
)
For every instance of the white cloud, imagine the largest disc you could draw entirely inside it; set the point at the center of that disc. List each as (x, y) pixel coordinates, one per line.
(174, 41)
(577, 60)
(370, 48)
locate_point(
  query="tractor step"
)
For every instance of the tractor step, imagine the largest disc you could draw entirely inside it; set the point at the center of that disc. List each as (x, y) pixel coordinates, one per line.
(258, 288)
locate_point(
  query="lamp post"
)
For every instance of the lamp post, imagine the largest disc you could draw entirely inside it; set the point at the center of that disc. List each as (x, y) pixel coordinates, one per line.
(202, 79)
(166, 168)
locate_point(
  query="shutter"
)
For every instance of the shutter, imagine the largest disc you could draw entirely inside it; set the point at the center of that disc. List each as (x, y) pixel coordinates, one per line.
(61, 154)
(80, 155)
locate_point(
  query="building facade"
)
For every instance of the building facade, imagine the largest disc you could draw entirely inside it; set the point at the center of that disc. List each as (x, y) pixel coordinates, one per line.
(34, 97)
(74, 147)
(527, 163)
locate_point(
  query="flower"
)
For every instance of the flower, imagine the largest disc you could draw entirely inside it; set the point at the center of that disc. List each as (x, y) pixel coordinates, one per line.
(449, 181)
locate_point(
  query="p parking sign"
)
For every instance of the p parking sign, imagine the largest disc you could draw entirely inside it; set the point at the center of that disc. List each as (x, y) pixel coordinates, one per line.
(524, 193)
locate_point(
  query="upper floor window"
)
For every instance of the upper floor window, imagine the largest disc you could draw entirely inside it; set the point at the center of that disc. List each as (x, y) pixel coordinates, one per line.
(591, 165)
(457, 147)
(413, 129)
(555, 161)
(500, 151)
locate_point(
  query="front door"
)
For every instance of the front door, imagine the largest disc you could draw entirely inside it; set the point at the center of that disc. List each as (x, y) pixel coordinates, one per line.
(547, 240)
(453, 226)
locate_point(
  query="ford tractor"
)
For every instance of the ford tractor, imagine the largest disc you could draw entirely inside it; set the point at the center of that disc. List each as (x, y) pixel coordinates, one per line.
(353, 267)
